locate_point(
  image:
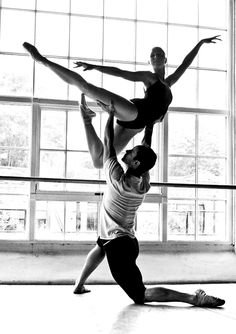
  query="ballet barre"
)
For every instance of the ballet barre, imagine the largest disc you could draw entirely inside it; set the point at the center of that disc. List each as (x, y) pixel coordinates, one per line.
(85, 181)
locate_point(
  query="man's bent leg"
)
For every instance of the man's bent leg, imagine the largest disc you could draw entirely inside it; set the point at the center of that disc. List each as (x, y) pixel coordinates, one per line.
(94, 258)
(121, 255)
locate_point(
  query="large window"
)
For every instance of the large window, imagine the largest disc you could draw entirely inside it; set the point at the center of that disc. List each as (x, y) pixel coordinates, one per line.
(15, 123)
(42, 133)
(197, 154)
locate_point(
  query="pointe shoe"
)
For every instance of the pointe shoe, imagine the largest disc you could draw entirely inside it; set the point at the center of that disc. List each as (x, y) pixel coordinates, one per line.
(33, 52)
(204, 300)
(86, 112)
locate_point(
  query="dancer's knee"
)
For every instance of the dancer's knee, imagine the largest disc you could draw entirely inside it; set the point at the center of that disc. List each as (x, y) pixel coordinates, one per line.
(88, 89)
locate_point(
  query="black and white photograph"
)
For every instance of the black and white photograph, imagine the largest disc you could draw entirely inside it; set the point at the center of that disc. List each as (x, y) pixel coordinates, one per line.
(117, 166)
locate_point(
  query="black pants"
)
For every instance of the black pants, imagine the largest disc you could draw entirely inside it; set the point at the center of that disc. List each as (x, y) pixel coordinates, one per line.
(122, 253)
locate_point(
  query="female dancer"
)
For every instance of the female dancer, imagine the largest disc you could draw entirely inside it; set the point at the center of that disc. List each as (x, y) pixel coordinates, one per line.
(134, 115)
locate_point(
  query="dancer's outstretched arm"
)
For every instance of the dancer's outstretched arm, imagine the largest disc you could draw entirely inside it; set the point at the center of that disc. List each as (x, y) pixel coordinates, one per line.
(171, 79)
(109, 150)
(95, 144)
(115, 71)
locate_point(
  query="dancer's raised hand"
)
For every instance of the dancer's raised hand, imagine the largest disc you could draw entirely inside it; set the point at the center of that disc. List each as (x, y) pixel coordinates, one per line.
(213, 39)
(86, 66)
(110, 109)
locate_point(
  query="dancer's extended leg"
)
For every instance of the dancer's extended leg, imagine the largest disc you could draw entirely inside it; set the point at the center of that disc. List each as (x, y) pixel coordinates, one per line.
(200, 298)
(125, 109)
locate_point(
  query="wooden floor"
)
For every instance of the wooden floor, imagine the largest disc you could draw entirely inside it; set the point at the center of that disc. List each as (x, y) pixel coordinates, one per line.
(54, 309)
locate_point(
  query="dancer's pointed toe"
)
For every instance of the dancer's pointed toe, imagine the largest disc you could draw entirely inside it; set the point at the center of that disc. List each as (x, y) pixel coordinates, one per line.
(33, 52)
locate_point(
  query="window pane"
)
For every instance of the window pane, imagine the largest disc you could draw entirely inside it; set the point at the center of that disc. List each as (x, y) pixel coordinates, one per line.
(87, 44)
(213, 55)
(73, 217)
(53, 129)
(185, 90)
(53, 5)
(212, 194)
(211, 220)
(119, 86)
(211, 170)
(181, 134)
(52, 164)
(16, 76)
(76, 137)
(13, 216)
(48, 84)
(26, 4)
(119, 48)
(66, 220)
(183, 11)
(181, 220)
(181, 40)
(90, 7)
(154, 10)
(81, 218)
(181, 170)
(52, 39)
(49, 220)
(212, 135)
(148, 222)
(12, 220)
(14, 161)
(14, 140)
(157, 36)
(116, 8)
(79, 166)
(177, 192)
(11, 39)
(212, 13)
(213, 90)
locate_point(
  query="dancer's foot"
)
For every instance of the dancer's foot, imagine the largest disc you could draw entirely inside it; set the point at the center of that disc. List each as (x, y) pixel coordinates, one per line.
(34, 52)
(203, 300)
(86, 112)
(80, 290)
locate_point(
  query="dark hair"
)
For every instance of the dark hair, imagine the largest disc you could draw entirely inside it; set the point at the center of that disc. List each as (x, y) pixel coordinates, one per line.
(147, 158)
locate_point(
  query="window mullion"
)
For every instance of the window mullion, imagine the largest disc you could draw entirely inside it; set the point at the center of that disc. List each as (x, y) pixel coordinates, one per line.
(164, 154)
(196, 222)
(35, 161)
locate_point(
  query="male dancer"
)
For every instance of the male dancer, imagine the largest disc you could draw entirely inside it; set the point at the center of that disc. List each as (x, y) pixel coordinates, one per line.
(124, 194)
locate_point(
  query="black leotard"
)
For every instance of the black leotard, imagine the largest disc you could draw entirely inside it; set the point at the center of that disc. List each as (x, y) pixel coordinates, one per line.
(152, 108)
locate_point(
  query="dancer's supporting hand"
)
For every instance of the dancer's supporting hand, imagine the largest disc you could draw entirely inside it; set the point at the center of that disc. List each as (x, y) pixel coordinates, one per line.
(86, 66)
(110, 109)
(86, 112)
